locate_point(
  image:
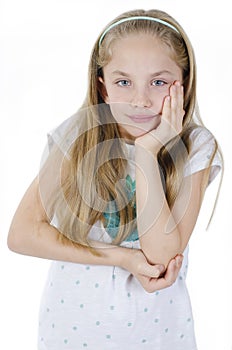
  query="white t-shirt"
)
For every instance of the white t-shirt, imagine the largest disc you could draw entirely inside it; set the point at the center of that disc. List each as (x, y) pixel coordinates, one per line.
(104, 307)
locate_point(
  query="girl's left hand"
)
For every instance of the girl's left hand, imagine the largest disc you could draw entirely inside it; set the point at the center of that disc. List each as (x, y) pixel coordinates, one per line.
(171, 121)
(165, 280)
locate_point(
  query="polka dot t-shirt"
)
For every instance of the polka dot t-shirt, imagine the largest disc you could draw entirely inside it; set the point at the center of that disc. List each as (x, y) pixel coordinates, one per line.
(104, 307)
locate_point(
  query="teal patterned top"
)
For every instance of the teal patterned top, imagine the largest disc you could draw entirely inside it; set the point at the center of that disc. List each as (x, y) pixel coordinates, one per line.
(111, 216)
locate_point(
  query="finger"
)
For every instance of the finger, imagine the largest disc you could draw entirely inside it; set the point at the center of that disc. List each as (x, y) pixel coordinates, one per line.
(174, 97)
(167, 280)
(171, 273)
(180, 102)
(177, 102)
(153, 284)
(160, 269)
(181, 98)
(173, 269)
(166, 111)
(177, 99)
(151, 271)
(179, 259)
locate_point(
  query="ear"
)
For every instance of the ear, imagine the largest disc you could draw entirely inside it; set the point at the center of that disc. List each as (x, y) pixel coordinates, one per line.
(102, 90)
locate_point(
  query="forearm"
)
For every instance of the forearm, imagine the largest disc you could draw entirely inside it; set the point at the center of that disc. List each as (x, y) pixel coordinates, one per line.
(158, 232)
(31, 234)
(44, 241)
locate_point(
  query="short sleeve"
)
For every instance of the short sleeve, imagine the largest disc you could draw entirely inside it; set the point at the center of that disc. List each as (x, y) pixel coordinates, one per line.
(64, 135)
(202, 149)
(51, 173)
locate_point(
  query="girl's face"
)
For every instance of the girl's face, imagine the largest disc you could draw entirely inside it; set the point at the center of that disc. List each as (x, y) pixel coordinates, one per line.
(136, 81)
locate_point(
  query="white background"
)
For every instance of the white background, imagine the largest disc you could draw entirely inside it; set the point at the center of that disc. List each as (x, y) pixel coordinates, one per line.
(45, 48)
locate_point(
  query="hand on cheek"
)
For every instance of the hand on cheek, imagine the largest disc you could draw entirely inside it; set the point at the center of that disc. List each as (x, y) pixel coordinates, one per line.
(172, 114)
(171, 120)
(175, 109)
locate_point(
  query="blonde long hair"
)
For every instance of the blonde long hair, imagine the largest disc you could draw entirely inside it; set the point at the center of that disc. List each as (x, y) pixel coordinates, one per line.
(97, 159)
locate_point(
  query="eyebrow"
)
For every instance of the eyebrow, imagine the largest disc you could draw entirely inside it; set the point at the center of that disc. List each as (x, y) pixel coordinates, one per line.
(118, 72)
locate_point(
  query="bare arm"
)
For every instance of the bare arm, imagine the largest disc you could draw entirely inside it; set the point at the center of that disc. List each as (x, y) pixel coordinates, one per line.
(31, 234)
(164, 232)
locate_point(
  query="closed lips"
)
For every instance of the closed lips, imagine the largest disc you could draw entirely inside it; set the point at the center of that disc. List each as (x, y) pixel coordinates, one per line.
(141, 118)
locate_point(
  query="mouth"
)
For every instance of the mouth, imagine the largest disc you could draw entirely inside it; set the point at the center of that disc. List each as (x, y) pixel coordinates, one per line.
(141, 118)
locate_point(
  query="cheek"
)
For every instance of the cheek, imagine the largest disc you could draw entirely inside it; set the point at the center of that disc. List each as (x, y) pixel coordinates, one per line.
(117, 110)
(116, 96)
(158, 100)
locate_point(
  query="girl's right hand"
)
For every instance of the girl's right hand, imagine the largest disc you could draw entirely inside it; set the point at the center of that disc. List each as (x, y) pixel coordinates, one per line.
(153, 277)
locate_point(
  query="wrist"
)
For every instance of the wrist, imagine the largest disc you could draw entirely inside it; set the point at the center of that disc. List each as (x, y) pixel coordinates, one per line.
(126, 257)
(142, 145)
(145, 155)
(114, 255)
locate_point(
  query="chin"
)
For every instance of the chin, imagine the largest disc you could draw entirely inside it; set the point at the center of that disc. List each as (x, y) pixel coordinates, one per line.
(139, 133)
(131, 133)
(135, 132)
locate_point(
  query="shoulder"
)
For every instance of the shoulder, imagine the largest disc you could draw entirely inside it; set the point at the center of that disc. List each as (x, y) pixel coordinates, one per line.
(64, 134)
(204, 153)
(201, 136)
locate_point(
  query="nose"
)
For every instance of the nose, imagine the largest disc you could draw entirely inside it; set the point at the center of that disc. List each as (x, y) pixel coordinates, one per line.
(141, 98)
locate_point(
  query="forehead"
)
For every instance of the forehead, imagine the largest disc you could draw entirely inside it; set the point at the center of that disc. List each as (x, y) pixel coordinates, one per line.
(141, 51)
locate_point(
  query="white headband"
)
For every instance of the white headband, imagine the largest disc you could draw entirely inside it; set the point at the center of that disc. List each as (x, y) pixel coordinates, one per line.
(154, 19)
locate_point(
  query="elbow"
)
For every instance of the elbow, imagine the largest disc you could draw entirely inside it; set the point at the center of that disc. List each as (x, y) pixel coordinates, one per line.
(18, 240)
(162, 253)
(14, 242)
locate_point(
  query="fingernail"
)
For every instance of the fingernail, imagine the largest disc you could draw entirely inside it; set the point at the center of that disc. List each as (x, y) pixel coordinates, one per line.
(179, 260)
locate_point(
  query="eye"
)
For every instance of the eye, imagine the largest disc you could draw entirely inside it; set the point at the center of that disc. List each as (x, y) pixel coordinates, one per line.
(158, 82)
(123, 82)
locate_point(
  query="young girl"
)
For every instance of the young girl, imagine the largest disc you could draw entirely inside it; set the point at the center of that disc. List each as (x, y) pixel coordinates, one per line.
(118, 196)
